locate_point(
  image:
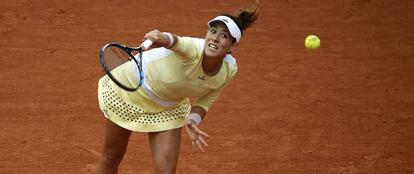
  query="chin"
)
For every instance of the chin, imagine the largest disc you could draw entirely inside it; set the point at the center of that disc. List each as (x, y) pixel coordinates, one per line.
(209, 53)
(212, 55)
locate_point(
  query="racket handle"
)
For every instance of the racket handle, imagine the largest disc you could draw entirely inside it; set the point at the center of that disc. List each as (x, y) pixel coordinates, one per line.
(146, 44)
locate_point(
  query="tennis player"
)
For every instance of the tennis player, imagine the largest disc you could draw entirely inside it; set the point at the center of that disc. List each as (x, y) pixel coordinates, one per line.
(176, 69)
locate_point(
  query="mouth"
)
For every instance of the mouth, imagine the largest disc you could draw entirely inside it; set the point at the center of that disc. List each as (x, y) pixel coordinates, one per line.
(212, 46)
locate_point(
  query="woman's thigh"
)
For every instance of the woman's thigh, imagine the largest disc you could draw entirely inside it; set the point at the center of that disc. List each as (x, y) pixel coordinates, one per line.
(165, 147)
(116, 141)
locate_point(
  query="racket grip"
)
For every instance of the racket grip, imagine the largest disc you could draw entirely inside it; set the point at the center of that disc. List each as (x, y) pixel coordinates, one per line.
(146, 44)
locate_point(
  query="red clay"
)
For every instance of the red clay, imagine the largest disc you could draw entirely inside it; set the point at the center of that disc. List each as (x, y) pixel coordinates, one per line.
(345, 108)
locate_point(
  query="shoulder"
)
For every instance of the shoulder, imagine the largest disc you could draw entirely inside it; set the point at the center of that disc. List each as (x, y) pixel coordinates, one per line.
(198, 42)
(230, 60)
(155, 54)
(231, 65)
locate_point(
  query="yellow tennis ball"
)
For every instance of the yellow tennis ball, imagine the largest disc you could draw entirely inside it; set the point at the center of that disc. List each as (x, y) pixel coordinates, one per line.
(312, 42)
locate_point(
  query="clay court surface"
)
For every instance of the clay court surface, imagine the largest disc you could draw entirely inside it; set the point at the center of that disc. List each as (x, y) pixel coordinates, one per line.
(346, 108)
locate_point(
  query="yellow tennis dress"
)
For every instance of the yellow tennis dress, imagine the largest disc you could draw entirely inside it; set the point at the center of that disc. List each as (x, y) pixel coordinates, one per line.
(172, 77)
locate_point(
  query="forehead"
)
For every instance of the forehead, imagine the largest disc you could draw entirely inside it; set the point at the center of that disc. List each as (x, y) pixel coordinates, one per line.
(219, 25)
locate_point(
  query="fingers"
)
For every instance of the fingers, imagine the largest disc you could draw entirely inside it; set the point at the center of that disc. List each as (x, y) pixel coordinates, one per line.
(158, 38)
(152, 35)
(197, 136)
(199, 146)
(202, 141)
(196, 146)
(191, 124)
(200, 132)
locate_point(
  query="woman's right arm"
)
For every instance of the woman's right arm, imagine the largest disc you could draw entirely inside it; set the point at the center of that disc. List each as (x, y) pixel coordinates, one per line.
(186, 47)
(161, 39)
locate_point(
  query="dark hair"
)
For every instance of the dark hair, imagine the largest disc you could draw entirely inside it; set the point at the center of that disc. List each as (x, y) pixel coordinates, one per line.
(245, 17)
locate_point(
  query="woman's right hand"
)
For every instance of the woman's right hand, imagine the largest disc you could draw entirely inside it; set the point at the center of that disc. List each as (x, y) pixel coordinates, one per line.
(158, 38)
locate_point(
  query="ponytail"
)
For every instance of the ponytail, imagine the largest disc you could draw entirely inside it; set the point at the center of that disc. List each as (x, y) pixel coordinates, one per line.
(245, 17)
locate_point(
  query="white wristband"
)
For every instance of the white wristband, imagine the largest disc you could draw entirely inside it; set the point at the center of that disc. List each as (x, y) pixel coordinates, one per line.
(170, 39)
(195, 117)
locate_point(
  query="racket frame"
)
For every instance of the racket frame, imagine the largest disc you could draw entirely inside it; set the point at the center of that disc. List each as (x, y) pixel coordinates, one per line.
(128, 50)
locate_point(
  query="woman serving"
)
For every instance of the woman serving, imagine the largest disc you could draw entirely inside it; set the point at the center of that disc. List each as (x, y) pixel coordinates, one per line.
(176, 68)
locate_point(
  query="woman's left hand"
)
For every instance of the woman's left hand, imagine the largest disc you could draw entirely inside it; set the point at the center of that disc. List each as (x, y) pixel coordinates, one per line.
(198, 137)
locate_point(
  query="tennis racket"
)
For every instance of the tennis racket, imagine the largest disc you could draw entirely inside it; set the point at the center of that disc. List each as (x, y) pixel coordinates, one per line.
(123, 64)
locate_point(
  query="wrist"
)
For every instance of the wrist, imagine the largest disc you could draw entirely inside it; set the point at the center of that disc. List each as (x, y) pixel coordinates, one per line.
(195, 117)
(170, 39)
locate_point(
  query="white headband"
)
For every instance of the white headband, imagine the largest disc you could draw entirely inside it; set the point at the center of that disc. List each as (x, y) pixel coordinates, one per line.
(231, 25)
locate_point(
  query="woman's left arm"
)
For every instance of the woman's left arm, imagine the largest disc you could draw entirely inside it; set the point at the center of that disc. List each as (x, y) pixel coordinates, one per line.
(197, 136)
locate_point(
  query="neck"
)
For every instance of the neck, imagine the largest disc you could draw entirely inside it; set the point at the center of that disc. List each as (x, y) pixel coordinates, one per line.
(211, 66)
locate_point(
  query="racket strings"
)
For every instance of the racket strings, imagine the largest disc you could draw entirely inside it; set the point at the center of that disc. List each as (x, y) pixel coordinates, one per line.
(121, 67)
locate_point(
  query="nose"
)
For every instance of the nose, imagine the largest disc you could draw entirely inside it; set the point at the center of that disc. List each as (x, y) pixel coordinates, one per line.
(215, 37)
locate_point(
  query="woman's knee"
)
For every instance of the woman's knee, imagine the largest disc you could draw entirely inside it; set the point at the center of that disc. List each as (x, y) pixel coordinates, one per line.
(116, 143)
(111, 158)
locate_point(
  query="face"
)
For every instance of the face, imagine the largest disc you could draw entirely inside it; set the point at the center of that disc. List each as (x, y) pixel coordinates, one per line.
(218, 41)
